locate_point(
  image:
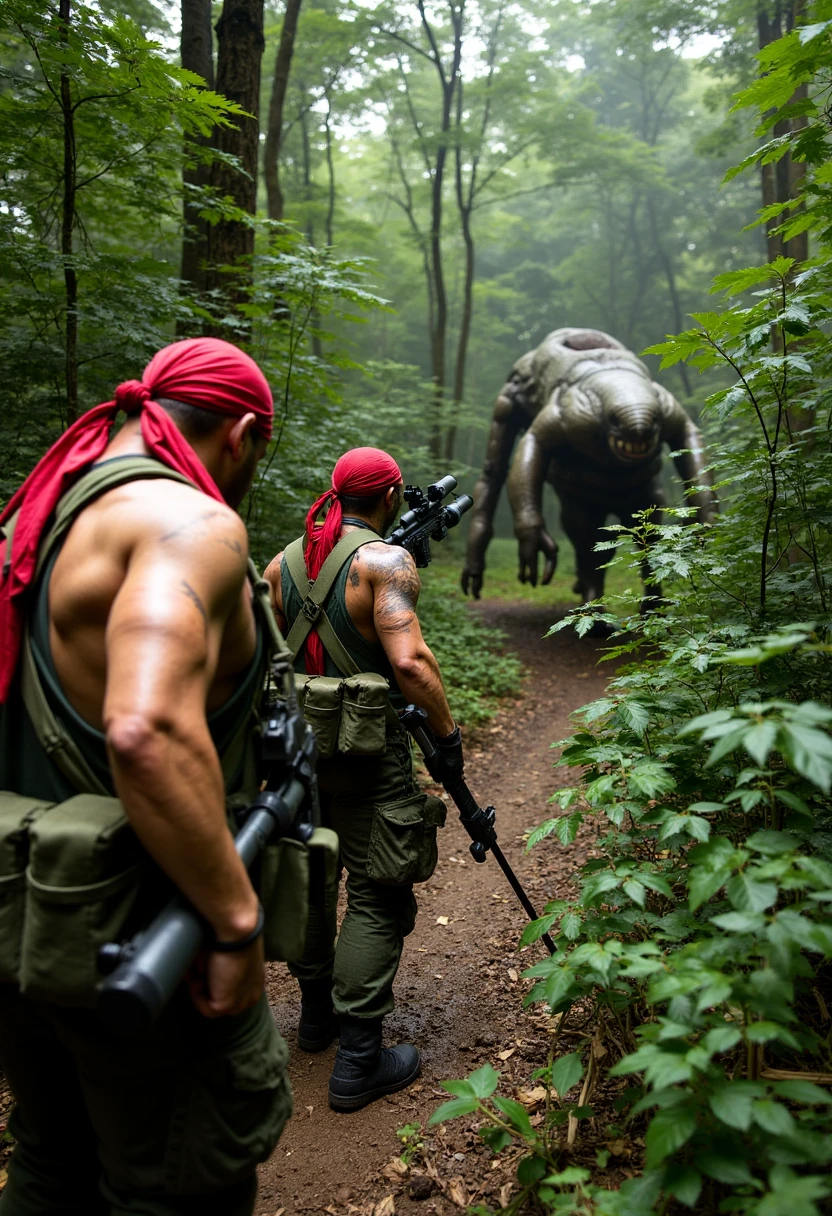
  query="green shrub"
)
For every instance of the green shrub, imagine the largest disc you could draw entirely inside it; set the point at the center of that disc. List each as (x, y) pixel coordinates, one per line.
(701, 939)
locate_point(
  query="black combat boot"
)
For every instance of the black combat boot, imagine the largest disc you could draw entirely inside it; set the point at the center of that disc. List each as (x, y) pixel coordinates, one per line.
(318, 1025)
(364, 1070)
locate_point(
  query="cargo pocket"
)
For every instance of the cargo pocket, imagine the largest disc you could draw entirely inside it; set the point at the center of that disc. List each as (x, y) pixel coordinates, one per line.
(234, 1105)
(322, 710)
(284, 894)
(16, 814)
(403, 840)
(363, 729)
(84, 875)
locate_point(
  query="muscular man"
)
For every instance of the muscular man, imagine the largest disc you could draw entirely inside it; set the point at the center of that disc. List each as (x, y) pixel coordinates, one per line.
(143, 630)
(386, 827)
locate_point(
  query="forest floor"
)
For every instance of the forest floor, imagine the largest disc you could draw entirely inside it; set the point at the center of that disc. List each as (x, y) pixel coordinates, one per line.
(459, 990)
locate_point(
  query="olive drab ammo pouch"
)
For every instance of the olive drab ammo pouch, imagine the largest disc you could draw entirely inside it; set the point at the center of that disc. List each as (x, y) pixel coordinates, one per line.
(349, 716)
(403, 845)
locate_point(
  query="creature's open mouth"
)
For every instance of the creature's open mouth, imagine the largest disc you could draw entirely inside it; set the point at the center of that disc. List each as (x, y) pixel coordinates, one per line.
(628, 449)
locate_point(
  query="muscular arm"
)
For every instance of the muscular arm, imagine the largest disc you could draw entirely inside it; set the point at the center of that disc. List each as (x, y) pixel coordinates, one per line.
(272, 577)
(679, 431)
(163, 640)
(396, 587)
(525, 493)
(506, 423)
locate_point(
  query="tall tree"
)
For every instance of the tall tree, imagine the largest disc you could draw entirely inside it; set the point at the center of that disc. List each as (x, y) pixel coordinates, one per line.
(197, 55)
(69, 188)
(434, 153)
(282, 65)
(240, 44)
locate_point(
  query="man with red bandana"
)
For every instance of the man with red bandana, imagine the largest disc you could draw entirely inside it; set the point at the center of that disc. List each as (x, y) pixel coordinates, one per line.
(143, 632)
(384, 823)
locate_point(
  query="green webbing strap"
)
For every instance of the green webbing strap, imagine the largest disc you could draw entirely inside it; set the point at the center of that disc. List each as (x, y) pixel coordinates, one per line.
(53, 738)
(312, 614)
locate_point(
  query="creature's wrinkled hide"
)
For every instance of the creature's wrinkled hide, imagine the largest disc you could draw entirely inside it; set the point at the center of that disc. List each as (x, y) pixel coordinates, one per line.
(595, 426)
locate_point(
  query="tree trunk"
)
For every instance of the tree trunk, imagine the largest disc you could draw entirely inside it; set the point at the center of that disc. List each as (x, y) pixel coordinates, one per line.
(464, 329)
(67, 227)
(197, 54)
(240, 50)
(330, 168)
(282, 64)
(440, 328)
(667, 265)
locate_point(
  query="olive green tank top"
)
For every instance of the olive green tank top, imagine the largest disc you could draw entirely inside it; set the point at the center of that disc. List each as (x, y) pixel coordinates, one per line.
(367, 656)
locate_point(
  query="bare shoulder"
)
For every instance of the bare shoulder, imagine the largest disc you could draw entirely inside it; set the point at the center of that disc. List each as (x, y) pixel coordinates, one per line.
(272, 573)
(176, 516)
(166, 525)
(395, 581)
(383, 562)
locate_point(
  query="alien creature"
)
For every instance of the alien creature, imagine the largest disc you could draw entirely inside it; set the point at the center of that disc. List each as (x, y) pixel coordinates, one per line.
(595, 424)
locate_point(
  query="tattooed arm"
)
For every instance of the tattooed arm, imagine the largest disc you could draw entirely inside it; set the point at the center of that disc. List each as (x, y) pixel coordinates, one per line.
(395, 584)
(179, 603)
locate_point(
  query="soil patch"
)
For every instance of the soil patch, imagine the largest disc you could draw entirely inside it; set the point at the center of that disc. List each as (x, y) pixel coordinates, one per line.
(459, 989)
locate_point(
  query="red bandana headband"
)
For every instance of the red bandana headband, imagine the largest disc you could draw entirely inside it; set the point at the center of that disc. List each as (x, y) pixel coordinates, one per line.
(360, 473)
(204, 372)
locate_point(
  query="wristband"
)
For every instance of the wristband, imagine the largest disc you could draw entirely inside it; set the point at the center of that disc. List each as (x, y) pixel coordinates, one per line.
(243, 943)
(453, 737)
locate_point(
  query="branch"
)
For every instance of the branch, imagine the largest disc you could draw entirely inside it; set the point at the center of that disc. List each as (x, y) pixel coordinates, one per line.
(411, 46)
(435, 58)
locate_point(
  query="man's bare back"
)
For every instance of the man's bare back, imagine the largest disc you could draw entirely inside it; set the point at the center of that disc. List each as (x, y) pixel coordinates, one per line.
(170, 546)
(381, 594)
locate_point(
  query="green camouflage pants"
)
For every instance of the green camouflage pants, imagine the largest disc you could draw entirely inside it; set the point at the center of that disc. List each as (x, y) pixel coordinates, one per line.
(387, 834)
(171, 1123)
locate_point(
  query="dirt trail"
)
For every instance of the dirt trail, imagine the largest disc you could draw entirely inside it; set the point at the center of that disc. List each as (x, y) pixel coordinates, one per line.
(458, 995)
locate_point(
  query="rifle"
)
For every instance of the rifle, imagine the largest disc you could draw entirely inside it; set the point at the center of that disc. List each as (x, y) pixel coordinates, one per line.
(428, 518)
(478, 823)
(143, 973)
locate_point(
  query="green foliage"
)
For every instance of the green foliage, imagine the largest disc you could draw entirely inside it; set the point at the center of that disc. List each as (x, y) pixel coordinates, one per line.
(700, 939)
(476, 669)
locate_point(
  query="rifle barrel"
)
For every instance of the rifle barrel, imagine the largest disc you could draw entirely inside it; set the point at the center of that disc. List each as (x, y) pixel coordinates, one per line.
(154, 964)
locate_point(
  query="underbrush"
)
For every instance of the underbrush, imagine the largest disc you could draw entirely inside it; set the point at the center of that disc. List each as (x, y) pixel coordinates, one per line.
(700, 945)
(476, 668)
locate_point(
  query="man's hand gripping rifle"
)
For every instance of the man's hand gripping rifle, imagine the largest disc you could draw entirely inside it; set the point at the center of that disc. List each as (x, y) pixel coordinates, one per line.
(478, 823)
(142, 974)
(428, 518)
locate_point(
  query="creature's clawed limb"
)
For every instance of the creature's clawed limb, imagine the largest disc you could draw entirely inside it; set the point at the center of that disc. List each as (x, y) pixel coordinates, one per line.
(531, 541)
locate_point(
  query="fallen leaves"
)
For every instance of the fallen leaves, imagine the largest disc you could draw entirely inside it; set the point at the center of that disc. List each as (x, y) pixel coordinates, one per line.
(442, 920)
(458, 1193)
(395, 1169)
(512, 975)
(386, 1207)
(506, 1055)
(532, 1097)
(505, 1194)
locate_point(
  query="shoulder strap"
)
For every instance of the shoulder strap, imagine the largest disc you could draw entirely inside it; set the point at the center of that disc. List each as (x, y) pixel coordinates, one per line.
(312, 614)
(51, 735)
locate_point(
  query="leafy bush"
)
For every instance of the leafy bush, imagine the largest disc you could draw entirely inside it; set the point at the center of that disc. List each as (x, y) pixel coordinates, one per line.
(476, 670)
(700, 942)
